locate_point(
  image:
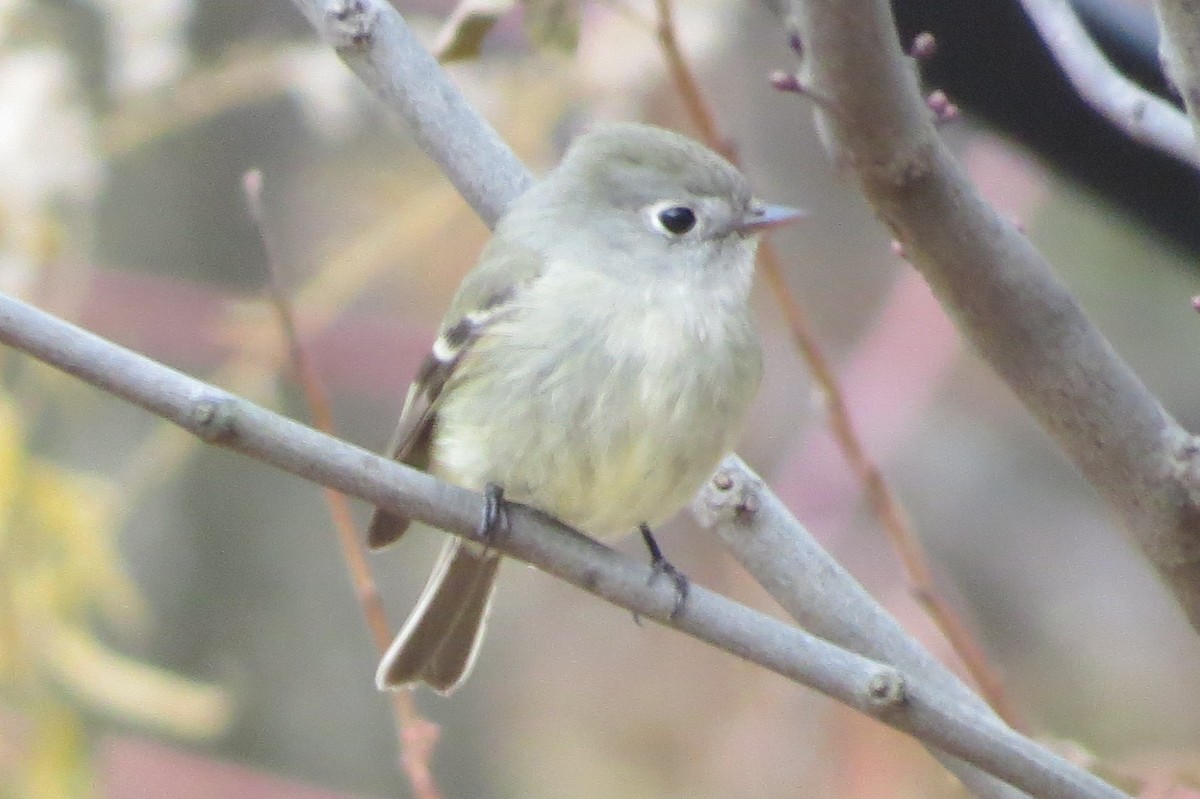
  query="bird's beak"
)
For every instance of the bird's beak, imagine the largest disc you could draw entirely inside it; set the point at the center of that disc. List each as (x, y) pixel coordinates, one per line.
(762, 217)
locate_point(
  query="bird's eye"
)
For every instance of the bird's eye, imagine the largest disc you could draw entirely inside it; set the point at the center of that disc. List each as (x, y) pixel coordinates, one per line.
(675, 219)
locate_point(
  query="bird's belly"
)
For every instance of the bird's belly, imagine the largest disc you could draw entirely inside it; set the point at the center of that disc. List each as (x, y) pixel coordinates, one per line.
(606, 431)
(615, 450)
(609, 485)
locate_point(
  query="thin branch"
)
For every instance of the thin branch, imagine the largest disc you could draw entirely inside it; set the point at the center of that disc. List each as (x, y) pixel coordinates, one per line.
(818, 593)
(1001, 293)
(376, 43)
(890, 511)
(883, 501)
(1141, 115)
(416, 736)
(685, 81)
(1179, 52)
(904, 701)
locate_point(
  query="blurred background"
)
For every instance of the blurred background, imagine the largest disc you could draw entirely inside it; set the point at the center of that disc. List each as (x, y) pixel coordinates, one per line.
(177, 620)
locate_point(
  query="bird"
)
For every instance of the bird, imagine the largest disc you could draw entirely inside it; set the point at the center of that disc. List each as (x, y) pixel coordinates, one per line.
(596, 365)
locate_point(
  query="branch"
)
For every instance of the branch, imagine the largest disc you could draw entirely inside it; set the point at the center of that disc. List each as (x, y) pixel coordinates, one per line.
(369, 52)
(1141, 115)
(375, 42)
(904, 701)
(818, 593)
(1002, 294)
(1179, 51)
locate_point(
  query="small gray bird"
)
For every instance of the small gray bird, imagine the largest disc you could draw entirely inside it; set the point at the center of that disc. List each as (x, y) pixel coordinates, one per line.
(596, 365)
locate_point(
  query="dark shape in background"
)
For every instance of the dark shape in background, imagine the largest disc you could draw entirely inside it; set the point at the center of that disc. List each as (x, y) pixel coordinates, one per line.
(993, 64)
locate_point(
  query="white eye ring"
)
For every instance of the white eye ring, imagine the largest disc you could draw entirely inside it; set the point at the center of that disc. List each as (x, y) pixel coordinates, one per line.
(672, 219)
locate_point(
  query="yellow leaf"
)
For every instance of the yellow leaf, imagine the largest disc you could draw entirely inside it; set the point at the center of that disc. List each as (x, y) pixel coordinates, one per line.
(74, 511)
(56, 765)
(12, 463)
(134, 691)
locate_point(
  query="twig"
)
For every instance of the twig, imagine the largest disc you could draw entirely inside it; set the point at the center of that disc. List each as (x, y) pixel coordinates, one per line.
(886, 506)
(375, 42)
(904, 701)
(1141, 115)
(416, 735)
(1179, 52)
(819, 594)
(685, 82)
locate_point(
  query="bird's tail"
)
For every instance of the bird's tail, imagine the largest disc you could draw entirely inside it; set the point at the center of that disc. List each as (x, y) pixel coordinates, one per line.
(440, 640)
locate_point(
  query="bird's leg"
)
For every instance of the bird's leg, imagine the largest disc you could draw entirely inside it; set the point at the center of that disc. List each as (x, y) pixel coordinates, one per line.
(661, 565)
(495, 514)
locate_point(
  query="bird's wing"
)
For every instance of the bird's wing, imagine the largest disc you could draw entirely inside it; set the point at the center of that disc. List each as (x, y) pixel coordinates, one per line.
(487, 295)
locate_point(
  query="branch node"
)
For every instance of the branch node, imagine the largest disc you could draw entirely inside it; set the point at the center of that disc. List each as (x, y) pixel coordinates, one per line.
(731, 494)
(1137, 113)
(786, 81)
(923, 47)
(1187, 457)
(886, 689)
(214, 419)
(795, 42)
(350, 23)
(943, 110)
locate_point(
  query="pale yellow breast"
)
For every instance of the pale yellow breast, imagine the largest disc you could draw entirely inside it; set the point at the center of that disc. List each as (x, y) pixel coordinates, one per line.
(602, 430)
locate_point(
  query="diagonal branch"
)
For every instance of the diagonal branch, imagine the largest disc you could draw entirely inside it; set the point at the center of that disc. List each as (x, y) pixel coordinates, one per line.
(818, 593)
(1141, 115)
(904, 701)
(374, 41)
(1179, 52)
(1002, 294)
